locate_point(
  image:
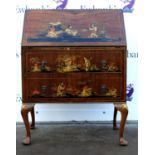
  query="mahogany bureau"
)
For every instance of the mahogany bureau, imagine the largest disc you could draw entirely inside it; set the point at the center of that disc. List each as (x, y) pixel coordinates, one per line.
(74, 56)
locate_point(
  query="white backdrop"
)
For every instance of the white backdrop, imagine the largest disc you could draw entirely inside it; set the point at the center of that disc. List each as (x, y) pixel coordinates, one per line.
(89, 112)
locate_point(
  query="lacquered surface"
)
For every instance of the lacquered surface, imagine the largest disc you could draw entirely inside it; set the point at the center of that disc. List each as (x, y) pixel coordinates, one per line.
(74, 56)
(73, 27)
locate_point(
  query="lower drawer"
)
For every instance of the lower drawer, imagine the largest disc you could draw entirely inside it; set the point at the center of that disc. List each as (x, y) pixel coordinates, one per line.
(79, 89)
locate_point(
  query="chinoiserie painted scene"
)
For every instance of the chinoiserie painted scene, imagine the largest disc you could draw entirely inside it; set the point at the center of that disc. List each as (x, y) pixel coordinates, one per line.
(59, 32)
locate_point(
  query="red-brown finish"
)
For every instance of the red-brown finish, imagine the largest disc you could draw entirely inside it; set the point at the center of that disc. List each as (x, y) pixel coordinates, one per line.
(124, 113)
(24, 112)
(95, 79)
(111, 21)
(86, 69)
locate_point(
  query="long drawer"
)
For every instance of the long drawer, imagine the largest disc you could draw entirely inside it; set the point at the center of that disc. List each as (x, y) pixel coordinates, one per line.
(74, 60)
(74, 74)
(78, 87)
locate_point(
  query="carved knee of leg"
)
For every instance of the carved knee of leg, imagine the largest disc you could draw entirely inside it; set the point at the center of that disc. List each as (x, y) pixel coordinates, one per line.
(23, 111)
(124, 108)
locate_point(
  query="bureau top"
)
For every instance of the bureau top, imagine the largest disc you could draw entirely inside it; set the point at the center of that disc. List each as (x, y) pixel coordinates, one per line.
(74, 28)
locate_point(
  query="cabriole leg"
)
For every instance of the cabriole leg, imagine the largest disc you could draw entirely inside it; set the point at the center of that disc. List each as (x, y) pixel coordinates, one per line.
(24, 112)
(114, 119)
(124, 113)
(33, 118)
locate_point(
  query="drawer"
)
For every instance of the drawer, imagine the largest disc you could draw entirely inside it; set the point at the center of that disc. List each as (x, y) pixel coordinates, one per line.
(75, 60)
(76, 88)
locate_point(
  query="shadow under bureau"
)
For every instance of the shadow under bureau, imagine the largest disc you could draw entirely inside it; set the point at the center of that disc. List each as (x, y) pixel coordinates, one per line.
(74, 56)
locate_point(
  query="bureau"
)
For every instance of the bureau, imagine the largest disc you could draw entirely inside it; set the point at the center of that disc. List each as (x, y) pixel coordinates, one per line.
(74, 56)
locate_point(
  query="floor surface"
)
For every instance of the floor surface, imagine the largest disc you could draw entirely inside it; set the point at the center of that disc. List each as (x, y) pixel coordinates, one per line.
(77, 139)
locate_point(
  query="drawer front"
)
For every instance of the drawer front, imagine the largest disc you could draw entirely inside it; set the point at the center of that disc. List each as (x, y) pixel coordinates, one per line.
(75, 88)
(74, 60)
(73, 74)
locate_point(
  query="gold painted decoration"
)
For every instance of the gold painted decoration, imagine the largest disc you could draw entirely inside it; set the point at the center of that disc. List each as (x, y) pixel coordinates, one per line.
(61, 90)
(71, 63)
(39, 66)
(86, 91)
(112, 67)
(67, 64)
(35, 64)
(89, 66)
(112, 92)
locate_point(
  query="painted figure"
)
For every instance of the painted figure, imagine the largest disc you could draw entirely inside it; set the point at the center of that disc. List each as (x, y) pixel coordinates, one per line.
(61, 90)
(54, 30)
(112, 67)
(57, 29)
(35, 64)
(86, 91)
(112, 92)
(39, 66)
(36, 68)
(93, 29)
(67, 64)
(89, 66)
(70, 31)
